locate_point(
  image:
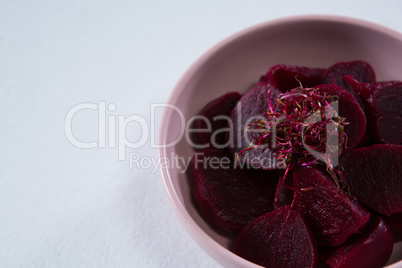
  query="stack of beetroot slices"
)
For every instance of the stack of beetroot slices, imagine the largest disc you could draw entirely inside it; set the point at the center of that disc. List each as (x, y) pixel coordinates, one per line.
(285, 212)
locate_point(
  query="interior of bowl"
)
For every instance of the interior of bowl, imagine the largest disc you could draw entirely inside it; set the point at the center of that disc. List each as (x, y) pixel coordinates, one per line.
(236, 64)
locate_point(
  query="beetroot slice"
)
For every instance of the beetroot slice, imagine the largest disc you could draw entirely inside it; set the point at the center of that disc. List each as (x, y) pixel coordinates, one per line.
(387, 112)
(360, 70)
(389, 129)
(363, 89)
(350, 109)
(284, 193)
(286, 77)
(214, 113)
(395, 223)
(278, 239)
(382, 98)
(383, 103)
(331, 214)
(372, 248)
(374, 176)
(229, 197)
(252, 106)
(387, 98)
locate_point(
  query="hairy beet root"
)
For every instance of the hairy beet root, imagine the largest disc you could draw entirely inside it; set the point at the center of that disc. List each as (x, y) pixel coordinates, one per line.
(395, 223)
(278, 239)
(373, 175)
(371, 248)
(252, 106)
(215, 117)
(349, 108)
(360, 70)
(229, 197)
(331, 214)
(286, 77)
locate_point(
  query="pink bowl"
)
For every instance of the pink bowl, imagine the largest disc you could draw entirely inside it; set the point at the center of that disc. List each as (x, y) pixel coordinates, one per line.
(234, 65)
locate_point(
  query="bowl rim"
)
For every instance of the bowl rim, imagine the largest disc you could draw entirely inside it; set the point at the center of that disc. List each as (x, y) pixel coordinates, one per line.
(207, 243)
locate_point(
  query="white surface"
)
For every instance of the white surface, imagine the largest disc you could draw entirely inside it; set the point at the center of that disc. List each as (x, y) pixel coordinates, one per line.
(63, 206)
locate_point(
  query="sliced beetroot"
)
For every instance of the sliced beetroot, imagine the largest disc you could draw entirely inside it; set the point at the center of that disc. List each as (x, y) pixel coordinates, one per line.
(229, 197)
(360, 70)
(278, 239)
(395, 223)
(385, 129)
(331, 214)
(284, 192)
(252, 106)
(286, 77)
(386, 113)
(382, 97)
(373, 175)
(387, 98)
(363, 89)
(389, 129)
(383, 102)
(372, 248)
(215, 114)
(349, 108)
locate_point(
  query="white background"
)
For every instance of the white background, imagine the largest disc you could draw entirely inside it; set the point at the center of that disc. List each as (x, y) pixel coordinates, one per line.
(62, 206)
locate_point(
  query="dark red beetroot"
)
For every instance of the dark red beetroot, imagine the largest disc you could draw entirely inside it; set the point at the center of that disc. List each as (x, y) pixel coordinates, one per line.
(349, 108)
(360, 70)
(284, 192)
(363, 89)
(389, 129)
(395, 223)
(371, 248)
(387, 97)
(286, 77)
(229, 198)
(214, 113)
(278, 239)
(383, 103)
(252, 106)
(374, 177)
(383, 97)
(331, 214)
(387, 102)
